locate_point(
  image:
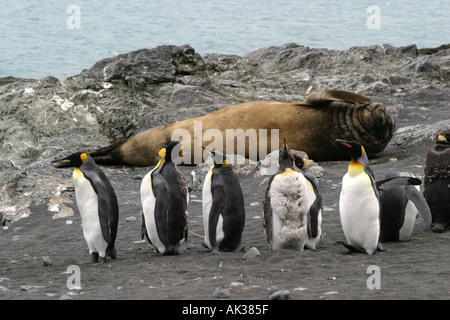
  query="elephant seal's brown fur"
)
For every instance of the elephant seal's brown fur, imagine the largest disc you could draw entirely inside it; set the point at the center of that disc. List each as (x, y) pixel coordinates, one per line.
(311, 126)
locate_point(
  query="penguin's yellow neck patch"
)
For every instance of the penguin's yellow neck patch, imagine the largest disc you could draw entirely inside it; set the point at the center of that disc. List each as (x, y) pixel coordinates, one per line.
(355, 168)
(77, 174)
(288, 171)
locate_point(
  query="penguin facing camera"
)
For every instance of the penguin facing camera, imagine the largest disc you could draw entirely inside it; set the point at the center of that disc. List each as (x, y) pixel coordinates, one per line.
(360, 203)
(223, 206)
(286, 205)
(164, 198)
(97, 203)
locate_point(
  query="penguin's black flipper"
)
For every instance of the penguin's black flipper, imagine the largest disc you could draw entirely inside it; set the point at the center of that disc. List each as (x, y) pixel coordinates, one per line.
(400, 179)
(313, 225)
(144, 232)
(216, 209)
(421, 204)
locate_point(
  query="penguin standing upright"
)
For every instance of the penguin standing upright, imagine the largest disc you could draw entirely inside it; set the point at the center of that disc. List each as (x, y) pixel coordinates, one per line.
(360, 207)
(286, 205)
(164, 198)
(315, 211)
(437, 182)
(223, 206)
(97, 203)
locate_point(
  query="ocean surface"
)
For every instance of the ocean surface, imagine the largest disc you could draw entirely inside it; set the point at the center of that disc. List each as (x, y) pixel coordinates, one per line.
(61, 38)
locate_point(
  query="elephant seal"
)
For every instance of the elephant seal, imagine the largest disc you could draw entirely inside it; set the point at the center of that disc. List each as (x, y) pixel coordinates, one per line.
(311, 126)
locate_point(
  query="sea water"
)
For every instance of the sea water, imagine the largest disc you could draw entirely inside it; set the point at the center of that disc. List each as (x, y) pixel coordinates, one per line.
(62, 37)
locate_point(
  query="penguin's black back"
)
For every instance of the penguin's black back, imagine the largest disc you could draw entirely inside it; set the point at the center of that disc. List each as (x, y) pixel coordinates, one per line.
(176, 212)
(233, 210)
(393, 205)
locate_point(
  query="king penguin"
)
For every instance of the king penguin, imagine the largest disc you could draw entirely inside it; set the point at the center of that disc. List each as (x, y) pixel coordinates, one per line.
(97, 203)
(286, 205)
(164, 199)
(315, 211)
(437, 182)
(360, 206)
(400, 206)
(223, 206)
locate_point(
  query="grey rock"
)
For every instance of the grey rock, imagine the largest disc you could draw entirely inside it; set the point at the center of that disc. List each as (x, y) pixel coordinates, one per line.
(221, 293)
(251, 253)
(47, 261)
(280, 295)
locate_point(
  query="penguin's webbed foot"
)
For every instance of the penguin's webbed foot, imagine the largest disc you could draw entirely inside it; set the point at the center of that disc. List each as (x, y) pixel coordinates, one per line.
(239, 248)
(439, 227)
(352, 249)
(380, 247)
(94, 257)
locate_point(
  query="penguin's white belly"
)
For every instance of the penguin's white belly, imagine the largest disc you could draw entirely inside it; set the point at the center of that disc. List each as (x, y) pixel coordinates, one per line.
(207, 200)
(148, 201)
(359, 211)
(87, 203)
(408, 224)
(290, 204)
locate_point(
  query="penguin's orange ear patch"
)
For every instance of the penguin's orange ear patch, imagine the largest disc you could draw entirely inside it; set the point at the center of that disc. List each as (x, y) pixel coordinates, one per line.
(162, 153)
(83, 157)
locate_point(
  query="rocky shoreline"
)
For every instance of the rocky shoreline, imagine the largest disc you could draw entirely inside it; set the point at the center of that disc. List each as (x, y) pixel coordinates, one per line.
(42, 119)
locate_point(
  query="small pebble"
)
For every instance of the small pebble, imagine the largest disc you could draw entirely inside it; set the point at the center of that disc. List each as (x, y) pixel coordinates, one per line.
(130, 219)
(221, 293)
(236, 284)
(252, 253)
(47, 262)
(280, 295)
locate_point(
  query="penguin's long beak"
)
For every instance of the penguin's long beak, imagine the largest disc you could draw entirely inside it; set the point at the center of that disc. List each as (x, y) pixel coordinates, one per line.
(212, 152)
(209, 150)
(343, 143)
(62, 163)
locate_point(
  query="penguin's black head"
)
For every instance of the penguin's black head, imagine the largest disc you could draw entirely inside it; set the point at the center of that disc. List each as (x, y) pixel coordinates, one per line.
(74, 160)
(220, 159)
(355, 148)
(300, 162)
(285, 159)
(172, 151)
